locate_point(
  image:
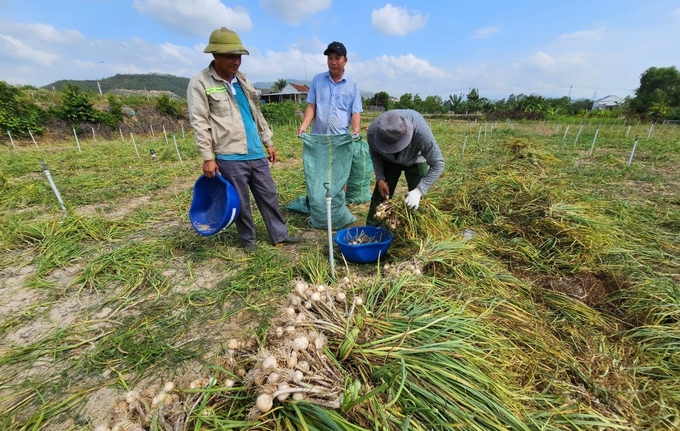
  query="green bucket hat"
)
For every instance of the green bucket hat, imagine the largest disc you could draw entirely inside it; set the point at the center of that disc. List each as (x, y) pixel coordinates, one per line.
(225, 41)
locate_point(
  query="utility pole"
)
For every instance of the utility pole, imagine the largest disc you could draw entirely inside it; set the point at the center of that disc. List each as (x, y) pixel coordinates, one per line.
(593, 105)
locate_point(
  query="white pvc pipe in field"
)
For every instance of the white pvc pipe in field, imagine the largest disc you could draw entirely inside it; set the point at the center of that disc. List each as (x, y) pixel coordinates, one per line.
(594, 139)
(177, 148)
(134, 143)
(630, 159)
(11, 140)
(578, 134)
(77, 143)
(33, 139)
(54, 186)
(166, 136)
(329, 223)
(121, 134)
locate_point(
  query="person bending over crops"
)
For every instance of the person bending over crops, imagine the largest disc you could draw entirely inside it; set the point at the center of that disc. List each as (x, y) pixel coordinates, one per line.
(334, 99)
(230, 129)
(399, 141)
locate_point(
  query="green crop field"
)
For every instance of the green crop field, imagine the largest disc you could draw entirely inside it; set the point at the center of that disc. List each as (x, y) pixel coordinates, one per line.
(537, 288)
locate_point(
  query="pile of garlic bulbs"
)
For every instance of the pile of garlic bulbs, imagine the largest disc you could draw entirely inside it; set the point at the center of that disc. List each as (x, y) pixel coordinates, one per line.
(294, 364)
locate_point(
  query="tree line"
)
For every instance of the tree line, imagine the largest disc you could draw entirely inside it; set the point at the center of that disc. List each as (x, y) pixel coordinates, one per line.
(657, 98)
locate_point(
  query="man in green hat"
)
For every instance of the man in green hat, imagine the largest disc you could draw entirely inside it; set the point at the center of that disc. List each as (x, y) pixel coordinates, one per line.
(229, 130)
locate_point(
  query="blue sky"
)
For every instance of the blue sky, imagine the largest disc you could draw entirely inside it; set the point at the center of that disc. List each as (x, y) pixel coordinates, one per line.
(552, 48)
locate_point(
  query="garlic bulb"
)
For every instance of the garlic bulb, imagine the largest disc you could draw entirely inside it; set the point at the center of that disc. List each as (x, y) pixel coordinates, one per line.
(300, 287)
(320, 342)
(358, 300)
(273, 378)
(303, 366)
(300, 343)
(283, 397)
(298, 396)
(315, 297)
(264, 403)
(291, 361)
(298, 376)
(233, 344)
(269, 362)
(169, 386)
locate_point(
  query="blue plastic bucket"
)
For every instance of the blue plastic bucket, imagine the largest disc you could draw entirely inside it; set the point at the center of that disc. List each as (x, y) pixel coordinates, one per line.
(379, 237)
(214, 206)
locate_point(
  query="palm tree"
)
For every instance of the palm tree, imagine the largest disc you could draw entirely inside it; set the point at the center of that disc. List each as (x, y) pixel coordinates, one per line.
(279, 85)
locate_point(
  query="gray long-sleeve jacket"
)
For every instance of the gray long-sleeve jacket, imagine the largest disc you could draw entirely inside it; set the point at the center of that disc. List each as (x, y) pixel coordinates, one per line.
(423, 148)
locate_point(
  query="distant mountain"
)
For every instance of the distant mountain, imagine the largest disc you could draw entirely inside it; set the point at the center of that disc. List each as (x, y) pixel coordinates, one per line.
(148, 81)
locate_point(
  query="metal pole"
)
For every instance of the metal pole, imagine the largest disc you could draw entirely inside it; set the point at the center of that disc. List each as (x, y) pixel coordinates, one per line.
(121, 134)
(464, 143)
(54, 186)
(565, 132)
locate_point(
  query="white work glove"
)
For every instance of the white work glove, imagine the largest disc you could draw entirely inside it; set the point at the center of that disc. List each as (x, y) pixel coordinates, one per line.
(412, 199)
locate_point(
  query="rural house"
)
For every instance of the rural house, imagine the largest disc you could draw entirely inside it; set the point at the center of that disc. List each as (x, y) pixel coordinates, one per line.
(293, 92)
(608, 102)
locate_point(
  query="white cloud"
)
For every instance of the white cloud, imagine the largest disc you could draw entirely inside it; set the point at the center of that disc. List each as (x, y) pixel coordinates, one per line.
(485, 33)
(676, 12)
(293, 12)
(13, 48)
(585, 35)
(195, 17)
(390, 20)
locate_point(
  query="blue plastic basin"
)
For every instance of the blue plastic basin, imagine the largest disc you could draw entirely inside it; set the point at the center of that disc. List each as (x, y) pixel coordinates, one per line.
(214, 206)
(380, 238)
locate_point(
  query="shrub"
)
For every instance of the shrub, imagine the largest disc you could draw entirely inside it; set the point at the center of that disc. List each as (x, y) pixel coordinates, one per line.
(279, 113)
(169, 107)
(18, 115)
